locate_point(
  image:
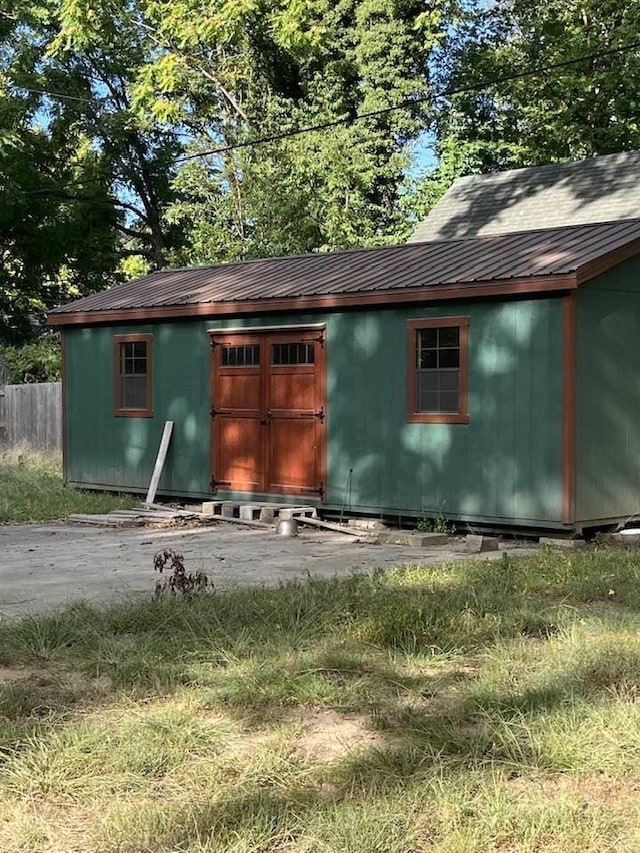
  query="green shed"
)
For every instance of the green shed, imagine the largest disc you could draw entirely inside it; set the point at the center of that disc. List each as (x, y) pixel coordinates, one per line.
(491, 379)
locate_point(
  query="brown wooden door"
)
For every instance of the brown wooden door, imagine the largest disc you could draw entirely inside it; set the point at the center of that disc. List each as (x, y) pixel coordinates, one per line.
(268, 412)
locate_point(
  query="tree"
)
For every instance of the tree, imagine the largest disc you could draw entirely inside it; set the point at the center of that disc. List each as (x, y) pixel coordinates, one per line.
(583, 108)
(84, 185)
(230, 73)
(53, 244)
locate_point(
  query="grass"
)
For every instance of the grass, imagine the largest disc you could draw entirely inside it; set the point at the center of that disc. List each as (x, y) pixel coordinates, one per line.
(474, 707)
(33, 490)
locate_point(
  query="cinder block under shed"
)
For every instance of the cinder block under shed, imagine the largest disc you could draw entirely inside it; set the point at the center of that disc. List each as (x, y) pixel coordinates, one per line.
(267, 512)
(476, 544)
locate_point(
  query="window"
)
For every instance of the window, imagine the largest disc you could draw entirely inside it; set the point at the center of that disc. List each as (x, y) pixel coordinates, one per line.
(438, 370)
(132, 357)
(288, 355)
(243, 355)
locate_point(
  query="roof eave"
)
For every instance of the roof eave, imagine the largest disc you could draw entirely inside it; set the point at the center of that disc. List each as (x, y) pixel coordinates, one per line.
(607, 261)
(471, 290)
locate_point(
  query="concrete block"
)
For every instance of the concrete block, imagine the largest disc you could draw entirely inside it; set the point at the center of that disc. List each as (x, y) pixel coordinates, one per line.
(561, 543)
(209, 508)
(228, 509)
(248, 512)
(412, 538)
(267, 514)
(475, 544)
(293, 511)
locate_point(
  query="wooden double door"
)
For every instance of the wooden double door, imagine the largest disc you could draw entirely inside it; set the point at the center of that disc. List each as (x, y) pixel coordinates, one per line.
(268, 412)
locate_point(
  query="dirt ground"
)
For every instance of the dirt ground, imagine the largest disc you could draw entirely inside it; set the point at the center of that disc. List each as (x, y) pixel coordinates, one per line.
(46, 566)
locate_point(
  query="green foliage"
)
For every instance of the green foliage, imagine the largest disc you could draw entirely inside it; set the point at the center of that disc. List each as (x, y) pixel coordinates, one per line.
(241, 71)
(437, 524)
(39, 361)
(568, 113)
(94, 187)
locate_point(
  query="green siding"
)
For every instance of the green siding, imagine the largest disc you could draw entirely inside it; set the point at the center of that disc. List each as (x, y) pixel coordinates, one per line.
(608, 395)
(505, 464)
(107, 450)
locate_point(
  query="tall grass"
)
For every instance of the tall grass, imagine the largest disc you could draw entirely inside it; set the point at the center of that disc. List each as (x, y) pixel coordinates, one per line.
(32, 489)
(471, 707)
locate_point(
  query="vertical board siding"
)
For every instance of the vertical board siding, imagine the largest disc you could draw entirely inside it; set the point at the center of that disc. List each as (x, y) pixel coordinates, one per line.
(31, 415)
(608, 395)
(505, 464)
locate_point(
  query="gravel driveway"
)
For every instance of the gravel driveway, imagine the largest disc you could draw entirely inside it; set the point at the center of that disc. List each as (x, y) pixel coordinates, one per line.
(45, 566)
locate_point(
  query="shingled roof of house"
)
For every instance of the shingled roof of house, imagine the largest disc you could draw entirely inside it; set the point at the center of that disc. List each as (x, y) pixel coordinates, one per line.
(600, 189)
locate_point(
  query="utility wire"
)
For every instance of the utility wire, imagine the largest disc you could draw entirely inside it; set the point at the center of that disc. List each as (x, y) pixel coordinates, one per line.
(409, 102)
(51, 94)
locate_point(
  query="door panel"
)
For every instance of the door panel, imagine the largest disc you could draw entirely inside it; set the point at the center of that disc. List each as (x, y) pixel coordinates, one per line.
(269, 412)
(292, 392)
(237, 394)
(240, 457)
(240, 392)
(293, 451)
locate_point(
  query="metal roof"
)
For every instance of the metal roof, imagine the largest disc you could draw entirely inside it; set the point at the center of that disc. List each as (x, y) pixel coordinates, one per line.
(393, 270)
(599, 189)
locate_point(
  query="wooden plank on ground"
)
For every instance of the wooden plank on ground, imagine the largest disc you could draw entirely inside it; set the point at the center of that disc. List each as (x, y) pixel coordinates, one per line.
(162, 455)
(144, 513)
(105, 520)
(328, 525)
(246, 522)
(180, 513)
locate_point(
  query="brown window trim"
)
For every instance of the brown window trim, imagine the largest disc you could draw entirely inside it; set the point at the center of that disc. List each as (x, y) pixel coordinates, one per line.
(460, 417)
(118, 410)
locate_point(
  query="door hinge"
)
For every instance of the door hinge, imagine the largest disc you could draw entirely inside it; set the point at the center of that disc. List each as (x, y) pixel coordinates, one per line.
(319, 415)
(214, 485)
(319, 339)
(213, 412)
(321, 490)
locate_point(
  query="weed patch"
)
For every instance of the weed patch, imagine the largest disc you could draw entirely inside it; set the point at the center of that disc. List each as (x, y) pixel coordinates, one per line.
(33, 490)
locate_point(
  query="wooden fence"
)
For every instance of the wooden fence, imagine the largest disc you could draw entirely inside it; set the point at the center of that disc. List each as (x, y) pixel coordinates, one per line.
(31, 415)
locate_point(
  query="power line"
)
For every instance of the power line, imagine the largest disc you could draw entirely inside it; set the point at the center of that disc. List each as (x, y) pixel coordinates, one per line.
(409, 102)
(51, 94)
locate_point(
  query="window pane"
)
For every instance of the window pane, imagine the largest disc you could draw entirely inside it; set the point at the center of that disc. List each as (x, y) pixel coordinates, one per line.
(449, 336)
(449, 402)
(427, 338)
(292, 353)
(449, 358)
(449, 380)
(427, 358)
(428, 402)
(133, 392)
(244, 355)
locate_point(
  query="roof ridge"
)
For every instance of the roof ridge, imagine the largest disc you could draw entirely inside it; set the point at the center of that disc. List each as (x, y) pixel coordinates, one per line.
(586, 162)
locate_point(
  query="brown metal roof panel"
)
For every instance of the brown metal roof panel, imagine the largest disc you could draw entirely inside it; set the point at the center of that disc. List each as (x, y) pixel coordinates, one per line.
(461, 261)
